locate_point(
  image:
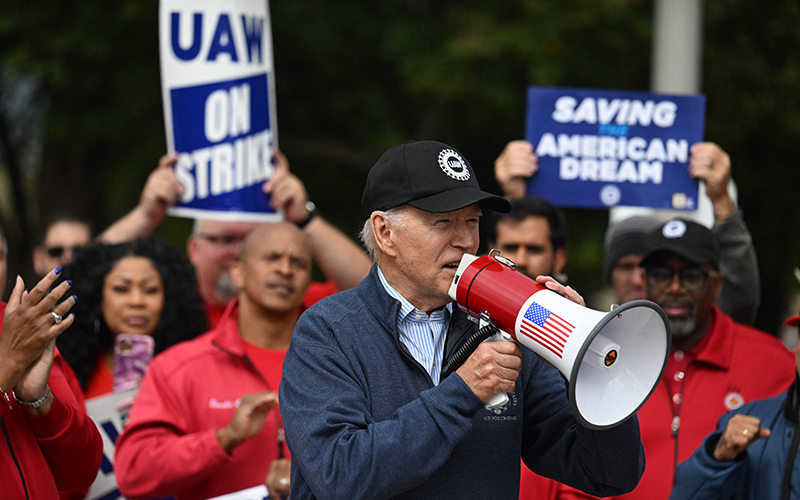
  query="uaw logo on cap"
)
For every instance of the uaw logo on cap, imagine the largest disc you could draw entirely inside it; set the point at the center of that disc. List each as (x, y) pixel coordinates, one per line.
(453, 165)
(674, 229)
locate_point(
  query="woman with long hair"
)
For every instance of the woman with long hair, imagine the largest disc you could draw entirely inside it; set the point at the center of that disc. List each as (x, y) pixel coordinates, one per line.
(140, 287)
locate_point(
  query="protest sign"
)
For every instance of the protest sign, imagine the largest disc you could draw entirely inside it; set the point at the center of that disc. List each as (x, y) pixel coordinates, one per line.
(601, 149)
(219, 105)
(254, 493)
(109, 414)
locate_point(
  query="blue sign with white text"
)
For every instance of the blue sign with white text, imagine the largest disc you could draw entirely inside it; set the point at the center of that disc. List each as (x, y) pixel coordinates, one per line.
(222, 132)
(601, 148)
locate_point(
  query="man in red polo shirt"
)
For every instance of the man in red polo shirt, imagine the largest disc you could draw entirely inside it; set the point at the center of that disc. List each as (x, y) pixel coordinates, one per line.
(715, 365)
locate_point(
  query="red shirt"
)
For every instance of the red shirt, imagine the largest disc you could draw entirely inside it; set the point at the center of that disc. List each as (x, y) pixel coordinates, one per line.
(269, 362)
(735, 365)
(101, 381)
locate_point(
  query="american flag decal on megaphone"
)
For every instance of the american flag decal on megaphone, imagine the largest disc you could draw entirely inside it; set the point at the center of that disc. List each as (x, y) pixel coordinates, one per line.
(547, 328)
(611, 360)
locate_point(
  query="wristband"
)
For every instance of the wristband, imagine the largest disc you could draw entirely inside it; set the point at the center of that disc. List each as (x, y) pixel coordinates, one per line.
(34, 404)
(312, 212)
(5, 396)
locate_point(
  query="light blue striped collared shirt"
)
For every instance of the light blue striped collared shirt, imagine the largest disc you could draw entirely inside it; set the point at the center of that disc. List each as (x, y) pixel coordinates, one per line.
(423, 335)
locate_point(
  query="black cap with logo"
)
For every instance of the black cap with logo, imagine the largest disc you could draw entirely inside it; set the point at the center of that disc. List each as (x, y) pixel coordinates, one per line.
(692, 241)
(427, 175)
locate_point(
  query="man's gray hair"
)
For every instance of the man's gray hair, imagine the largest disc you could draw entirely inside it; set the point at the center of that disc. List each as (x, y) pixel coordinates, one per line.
(394, 217)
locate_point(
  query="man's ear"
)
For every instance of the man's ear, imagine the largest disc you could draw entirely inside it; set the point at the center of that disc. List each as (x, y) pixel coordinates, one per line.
(559, 260)
(383, 233)
(237, 274)
(191, 248)
(719, 280)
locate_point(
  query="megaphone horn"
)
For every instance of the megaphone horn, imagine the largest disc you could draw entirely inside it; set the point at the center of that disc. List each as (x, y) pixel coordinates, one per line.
(613, 361)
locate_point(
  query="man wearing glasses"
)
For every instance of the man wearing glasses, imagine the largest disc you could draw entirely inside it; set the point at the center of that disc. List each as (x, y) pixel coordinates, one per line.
(715, 364)
(214, 244)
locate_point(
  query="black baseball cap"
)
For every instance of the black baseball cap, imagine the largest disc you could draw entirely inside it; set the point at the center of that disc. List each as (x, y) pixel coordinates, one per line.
(427, 175)
(692, 241)
(626, 237)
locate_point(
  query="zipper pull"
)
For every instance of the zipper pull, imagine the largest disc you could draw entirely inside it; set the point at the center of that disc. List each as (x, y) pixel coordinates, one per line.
(676, 423)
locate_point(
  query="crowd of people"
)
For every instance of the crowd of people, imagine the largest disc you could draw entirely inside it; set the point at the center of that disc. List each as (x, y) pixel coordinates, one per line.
(364, 408)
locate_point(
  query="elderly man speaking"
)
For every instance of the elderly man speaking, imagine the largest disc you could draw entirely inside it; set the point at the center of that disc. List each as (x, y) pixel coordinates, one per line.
(366, 412)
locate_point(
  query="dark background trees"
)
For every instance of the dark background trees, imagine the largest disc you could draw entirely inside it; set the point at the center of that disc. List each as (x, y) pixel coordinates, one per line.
(354, 78)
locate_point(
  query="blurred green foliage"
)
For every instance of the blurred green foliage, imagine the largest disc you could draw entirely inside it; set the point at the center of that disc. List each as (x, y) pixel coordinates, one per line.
(354, 78)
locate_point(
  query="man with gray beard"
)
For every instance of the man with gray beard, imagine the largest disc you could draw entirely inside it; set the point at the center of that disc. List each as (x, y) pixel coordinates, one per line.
(715, 364)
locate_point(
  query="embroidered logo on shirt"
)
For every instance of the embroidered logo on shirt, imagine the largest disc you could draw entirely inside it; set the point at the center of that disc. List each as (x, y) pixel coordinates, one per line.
(453, 165)
(733, 400)
(225, 404)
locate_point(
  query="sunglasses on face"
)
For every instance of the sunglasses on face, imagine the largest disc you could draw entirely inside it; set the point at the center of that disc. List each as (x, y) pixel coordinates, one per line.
(57, 251)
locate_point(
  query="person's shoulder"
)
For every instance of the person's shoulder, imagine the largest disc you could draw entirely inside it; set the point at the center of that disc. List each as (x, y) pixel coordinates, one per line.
(761, 406)
(334, 307)
(184, 354)
(749, 338)
(323, 322)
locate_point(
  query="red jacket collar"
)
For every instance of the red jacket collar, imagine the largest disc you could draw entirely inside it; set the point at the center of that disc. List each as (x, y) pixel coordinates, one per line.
(226, 334)
(718, 351)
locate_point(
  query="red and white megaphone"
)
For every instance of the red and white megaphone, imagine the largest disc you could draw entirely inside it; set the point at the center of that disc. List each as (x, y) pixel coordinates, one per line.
(613, 361)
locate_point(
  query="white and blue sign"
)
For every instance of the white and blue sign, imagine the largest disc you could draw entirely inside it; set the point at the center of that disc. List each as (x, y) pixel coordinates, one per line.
(109, 413)
(601, 148)
(219, 105)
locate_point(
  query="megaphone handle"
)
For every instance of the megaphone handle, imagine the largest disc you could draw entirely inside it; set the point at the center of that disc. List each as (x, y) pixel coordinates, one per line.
(501, 398)
(498, 400)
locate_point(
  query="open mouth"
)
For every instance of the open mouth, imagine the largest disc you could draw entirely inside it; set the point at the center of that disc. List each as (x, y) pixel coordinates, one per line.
(452, 266)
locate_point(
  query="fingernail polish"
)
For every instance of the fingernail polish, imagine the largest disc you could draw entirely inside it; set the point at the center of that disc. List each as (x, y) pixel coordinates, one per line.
(69, 282)
(74, 298)
(57, 270)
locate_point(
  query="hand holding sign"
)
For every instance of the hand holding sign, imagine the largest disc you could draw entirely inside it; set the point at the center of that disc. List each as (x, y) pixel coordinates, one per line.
(162, 189)
(709, 163)
(515, 165)
(286, 191)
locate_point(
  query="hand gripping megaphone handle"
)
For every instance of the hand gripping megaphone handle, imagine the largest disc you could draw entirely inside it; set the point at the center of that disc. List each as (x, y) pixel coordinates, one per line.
(468, 348)
(487, 332)
(501, 398)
